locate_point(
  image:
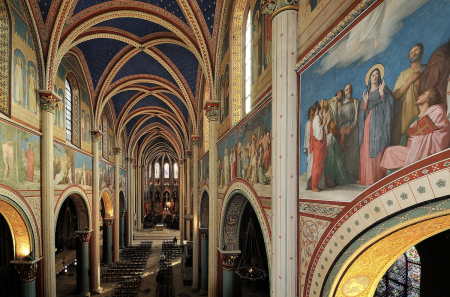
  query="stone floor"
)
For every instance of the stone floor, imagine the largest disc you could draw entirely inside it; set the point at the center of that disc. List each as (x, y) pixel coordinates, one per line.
(66, 283)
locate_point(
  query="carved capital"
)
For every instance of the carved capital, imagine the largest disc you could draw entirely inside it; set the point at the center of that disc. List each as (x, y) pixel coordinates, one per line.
(84, 236)
(108, 222)
(122, 214)
(194, 140)
(204, 234)
(181, 161)
(49, 101)
(229, 261)
(273, 7)
(117, 150)
(27, 273)
(96, 136)
(188, 154)
(212, 110)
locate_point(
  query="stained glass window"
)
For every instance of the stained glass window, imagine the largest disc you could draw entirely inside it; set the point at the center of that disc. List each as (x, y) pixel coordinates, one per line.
(175, 170)
(157, 170)
(166, 170)
(402, 278)
(248, 62)
(68, 111)
(150, 171)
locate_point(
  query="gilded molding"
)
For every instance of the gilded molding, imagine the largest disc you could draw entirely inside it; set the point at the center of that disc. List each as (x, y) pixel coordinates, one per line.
(335, 32)
(108, 222)
(212, 110)
(27, 273)
(117, 150)
(84, 236)
(48, 101)
(229, 261)
(204, 234)
(274, 7)
(96, 136)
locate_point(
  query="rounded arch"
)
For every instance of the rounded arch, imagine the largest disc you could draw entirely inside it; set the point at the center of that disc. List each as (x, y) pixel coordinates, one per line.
(107, 201)
(235, 199)
(204, 208)
(82, 204)
(361, 275)
(122, 201)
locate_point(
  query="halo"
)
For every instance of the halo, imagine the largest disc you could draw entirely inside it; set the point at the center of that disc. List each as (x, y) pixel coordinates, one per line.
(380, 67)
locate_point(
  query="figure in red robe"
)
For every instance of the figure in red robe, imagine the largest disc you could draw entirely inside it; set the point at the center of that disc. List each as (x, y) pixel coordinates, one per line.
(30, 166)
(318, 147)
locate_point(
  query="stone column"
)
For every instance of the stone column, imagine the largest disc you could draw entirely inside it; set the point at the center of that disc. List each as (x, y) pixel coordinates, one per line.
(138, 181)
(117, 203)
(195, 225)
(83, 263)
(133, 196)
(49, 101)
(107, 240)
(27, 275)
(284, 149)
(122, 230)
(129, 203)
(204, 260)
(96, 138)
(229, 262)
(212, 112)
(181, 195)
(188, 194)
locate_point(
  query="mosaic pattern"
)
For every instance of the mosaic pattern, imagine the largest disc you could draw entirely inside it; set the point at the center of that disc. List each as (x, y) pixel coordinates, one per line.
(325, 210)
(4, 59)
(233, 215)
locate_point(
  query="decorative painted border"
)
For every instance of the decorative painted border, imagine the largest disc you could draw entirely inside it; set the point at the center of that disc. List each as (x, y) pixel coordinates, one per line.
(325, 210)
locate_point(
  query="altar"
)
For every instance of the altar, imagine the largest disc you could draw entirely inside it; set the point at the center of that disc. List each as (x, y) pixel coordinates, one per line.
(159, 227)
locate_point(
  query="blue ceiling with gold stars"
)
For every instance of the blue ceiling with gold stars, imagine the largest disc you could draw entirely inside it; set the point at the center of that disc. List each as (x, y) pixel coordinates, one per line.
(119, 100)
(132, 122)
(150, 101)
(208, 9)
(138, 27)
(179, 104)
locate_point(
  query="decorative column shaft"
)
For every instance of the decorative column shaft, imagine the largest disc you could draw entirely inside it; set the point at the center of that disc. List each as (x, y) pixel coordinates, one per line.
(27, 276)
(229, 262)
(83, 263)
(204, 260)
(188, 194)
(107, 240)
(212, 112)
(138, 181)
(181, 195)
(117, 204)
(49, 101)
(195, 224)
(122, 230)
(284, 151)
(129, 203)
(133, 196)
(96, 138)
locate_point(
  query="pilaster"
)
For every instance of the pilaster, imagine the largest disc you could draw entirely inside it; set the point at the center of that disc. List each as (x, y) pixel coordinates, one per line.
(229, 262)
(195, 225)
(182, 203)
(188, 194)
(117, 151)
(96, 138)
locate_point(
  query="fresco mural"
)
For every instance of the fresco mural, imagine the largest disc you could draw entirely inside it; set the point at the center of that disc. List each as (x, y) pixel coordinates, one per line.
(83, 171)
(63, 166)
(227, 160)
(21, 161)
(254, 162)
(106, 175)
(122, 178)
(261, 40)
(204, 170)
(377, 100)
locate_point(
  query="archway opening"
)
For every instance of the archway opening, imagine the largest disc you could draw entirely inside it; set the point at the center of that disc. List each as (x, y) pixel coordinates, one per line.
(166, 202)
(8, 278)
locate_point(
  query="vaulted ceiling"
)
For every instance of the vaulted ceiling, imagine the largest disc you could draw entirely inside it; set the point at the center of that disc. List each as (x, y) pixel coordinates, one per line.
(145, 58)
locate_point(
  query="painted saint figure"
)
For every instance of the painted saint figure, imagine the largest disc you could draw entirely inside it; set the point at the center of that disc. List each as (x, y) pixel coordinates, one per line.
(29, 154)
(8, 159)
(376, 116)
(32, 87)
(318, 147)
(19, 83)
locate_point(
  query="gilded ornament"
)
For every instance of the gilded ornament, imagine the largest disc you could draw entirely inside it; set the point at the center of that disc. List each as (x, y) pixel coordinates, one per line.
(108, 222)
(229, 261)
(204, 234)
(96, 136)
(48, 103)
(356, 285)
(195, 140)
(212, 110)
(117, 150)
(84, 236)
(27, 273)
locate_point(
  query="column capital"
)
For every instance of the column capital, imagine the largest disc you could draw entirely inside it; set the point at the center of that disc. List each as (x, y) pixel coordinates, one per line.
(84, 236)
(27, 269)
(195, 140)
(117, 150)
(229, 259)
(212, 110)
(96, 135)
(108, 222)
(129, 159)
(188, 154)
(274, 7)
(182, 161)
(204, 233)
(49, 100)
(122, 213)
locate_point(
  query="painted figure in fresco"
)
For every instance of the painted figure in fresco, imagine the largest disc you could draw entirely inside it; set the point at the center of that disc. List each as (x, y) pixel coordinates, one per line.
(267, 39)
(88, 128)
(323, 111)
(318, 147)
(226, 169)
(418, 143)
(309, 156)
(29, 154)
(333, 106)
(256, 36)
(376, 117)
(83, 125)
(8, 159)
(83, 175)
(32, 87)
(406, 92)
(334, 166)
(348, 114)
(437, 73)
(19, 84)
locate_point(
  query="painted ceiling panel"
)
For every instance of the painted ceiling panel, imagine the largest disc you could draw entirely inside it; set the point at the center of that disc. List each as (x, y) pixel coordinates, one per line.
(132, 122)
(98, 53)
(156, 120)
(208, 9)
(185, 61)
(134, 26)
(119, 100)
(150, 101)
(44, 5)
(143, 63)
(169, 5)
(179, 104)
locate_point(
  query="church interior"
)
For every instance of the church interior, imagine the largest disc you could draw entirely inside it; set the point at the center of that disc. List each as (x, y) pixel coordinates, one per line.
(283, 148)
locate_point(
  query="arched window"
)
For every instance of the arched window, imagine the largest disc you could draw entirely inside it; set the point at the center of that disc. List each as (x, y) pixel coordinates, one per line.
(68, 111)
(175, 170)
(166, 170)
(150, 171)
(157, 170)
(403, 277)
(248, 62)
